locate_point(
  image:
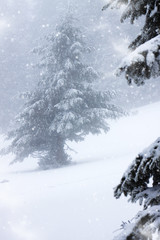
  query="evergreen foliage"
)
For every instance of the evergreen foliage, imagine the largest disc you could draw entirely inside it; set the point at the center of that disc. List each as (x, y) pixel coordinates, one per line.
(144, 227)
(136, 180)
(143, 62)
(64, 106)
(142, 179)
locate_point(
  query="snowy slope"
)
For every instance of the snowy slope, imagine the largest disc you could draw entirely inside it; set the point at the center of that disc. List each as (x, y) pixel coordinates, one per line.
(75, 202)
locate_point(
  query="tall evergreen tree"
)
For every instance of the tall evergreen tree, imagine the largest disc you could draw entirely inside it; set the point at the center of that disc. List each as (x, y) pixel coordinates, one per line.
(64, 106)
(142, 180)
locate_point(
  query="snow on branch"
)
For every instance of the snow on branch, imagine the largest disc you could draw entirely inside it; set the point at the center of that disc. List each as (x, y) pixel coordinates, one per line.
(146, 225)
(114, 4)
(143, 63)
(135, 181)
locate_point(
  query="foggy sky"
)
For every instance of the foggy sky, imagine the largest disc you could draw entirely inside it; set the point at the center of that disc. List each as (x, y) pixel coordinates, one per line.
(23, 24)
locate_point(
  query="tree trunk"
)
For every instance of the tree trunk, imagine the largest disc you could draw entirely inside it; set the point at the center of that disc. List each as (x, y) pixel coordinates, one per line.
(55, 156)
(60, 155)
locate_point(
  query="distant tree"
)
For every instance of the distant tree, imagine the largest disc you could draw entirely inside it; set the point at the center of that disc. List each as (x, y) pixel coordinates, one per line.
(142, 180)
(64, 106)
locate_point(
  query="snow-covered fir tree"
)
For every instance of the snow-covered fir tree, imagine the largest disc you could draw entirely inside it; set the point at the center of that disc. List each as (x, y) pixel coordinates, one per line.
(142, 179)
(64, 106)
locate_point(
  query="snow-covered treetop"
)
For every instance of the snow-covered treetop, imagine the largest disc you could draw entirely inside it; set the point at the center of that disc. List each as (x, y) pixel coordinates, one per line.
(136, 182)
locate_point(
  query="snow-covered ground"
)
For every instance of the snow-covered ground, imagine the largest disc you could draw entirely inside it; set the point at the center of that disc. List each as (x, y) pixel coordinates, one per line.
(75, 202)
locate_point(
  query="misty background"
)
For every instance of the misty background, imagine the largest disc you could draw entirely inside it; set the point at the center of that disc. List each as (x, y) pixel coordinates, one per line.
(23, 26)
